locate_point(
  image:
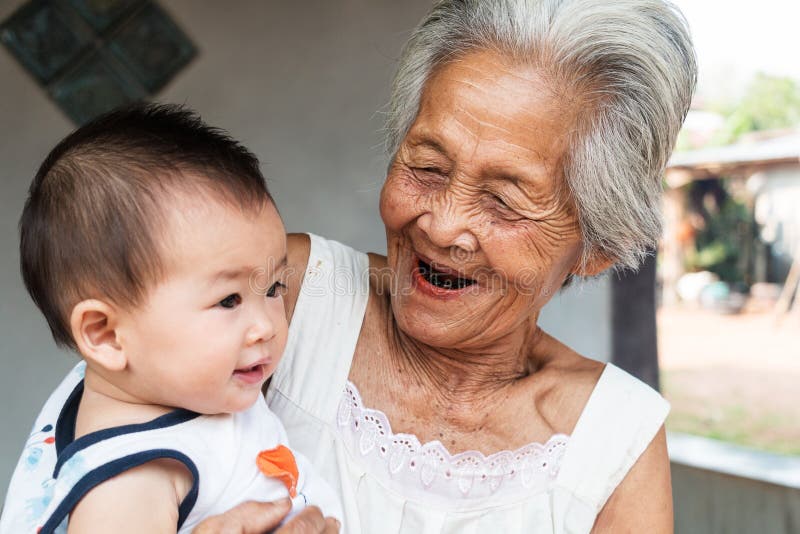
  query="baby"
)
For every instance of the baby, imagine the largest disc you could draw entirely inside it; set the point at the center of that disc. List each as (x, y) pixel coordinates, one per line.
(153, 248)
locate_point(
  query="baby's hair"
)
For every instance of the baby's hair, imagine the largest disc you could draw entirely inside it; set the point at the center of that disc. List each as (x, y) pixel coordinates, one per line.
(91, 224)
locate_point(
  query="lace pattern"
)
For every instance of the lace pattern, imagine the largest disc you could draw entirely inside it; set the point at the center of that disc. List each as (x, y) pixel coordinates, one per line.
(431, 467)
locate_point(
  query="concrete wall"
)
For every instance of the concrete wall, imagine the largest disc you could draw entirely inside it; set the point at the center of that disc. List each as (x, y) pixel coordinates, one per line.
(723, 488)
(302, 84)
(710, 502)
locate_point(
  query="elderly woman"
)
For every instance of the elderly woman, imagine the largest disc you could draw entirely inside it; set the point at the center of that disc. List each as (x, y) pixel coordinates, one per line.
(527, 142)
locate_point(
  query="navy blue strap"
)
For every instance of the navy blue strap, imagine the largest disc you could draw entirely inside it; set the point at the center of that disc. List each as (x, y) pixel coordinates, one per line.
(65, 424)
(172, 418)
(106, 471)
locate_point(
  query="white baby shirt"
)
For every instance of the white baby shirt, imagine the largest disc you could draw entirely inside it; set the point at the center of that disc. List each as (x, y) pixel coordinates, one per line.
(219, 450)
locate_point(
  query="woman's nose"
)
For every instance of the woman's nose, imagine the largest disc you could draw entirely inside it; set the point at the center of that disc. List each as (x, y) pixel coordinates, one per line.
(447, 228)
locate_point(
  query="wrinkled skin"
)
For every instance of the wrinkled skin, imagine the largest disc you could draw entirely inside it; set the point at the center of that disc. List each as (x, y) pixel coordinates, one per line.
(477, 186)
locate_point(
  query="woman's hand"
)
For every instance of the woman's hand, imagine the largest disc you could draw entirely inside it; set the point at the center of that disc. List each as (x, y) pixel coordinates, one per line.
(261, 517)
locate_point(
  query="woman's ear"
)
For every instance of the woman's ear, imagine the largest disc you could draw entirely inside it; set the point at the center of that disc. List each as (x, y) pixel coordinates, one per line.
(94, 329)
(596, 264)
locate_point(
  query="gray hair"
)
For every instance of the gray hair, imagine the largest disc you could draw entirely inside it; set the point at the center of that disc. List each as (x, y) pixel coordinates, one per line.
(631, 61)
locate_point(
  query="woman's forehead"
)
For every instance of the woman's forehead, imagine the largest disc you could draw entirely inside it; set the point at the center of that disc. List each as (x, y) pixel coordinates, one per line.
(485, 111)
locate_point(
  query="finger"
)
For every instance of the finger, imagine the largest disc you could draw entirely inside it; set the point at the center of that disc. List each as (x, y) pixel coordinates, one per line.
(248, 518)
(309, 521)
(257, 517)
(332, 525)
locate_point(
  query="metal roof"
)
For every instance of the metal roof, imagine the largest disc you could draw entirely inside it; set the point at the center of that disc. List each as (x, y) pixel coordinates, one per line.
(777, 150)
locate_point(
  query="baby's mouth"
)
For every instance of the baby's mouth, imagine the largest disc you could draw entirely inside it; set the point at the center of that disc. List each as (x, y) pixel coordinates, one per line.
(252, 374)
(441, 279)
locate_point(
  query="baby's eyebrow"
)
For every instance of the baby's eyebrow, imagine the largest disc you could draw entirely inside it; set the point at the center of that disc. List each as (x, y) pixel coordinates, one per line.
(245, 272)
(231, 274)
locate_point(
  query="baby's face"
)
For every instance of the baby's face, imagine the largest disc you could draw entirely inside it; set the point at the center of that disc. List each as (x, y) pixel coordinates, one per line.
(213, 331)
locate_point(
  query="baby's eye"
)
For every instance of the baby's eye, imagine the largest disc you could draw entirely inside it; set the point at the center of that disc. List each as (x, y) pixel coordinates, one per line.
(275, 290)
(231, 301)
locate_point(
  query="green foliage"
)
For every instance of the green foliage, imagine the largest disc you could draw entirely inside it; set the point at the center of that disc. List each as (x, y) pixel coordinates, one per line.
(770, 103)
(720, 244)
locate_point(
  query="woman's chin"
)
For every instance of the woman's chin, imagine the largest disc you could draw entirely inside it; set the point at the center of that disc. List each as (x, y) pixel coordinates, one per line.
(429, 326)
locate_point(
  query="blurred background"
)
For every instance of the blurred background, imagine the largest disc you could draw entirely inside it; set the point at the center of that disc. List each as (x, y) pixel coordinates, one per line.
(713, 319)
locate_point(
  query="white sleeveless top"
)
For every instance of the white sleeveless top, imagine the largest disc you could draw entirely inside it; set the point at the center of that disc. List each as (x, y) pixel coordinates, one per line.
(391, 483)
(56, 470)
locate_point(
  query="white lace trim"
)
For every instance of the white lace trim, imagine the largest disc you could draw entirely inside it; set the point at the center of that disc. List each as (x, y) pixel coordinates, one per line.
(430, 466)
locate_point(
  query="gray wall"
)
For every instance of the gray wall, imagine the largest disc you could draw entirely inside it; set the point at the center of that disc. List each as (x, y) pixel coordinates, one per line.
(710, 502)
(302, 84)
(724, 488)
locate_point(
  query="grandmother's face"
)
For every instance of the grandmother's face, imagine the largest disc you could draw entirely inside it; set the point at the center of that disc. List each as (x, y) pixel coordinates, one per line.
(480, 234)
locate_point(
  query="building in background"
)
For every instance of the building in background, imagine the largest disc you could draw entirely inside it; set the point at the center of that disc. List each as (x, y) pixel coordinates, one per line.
(762, 173)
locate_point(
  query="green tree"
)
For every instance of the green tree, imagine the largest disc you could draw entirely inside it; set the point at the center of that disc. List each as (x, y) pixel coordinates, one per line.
(769, 103)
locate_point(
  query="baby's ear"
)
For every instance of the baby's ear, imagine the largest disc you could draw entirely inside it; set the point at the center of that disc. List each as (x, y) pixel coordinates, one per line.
(94, 329)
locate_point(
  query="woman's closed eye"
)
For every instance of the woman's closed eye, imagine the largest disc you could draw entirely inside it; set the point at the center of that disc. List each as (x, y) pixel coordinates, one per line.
(429, 175)
(429, 170)
(500, 206)
(276, 290)
(231, 301)
(499, 203)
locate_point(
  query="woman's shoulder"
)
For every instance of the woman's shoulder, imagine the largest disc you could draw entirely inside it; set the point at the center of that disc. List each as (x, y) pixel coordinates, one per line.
(572, 386)
(298, 248)
(563, 384)
(326, 297)
(303, 248)
(617, 424)
(315, 260)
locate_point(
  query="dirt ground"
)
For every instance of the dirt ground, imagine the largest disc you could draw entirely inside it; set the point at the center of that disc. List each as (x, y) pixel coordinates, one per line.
(732, 377)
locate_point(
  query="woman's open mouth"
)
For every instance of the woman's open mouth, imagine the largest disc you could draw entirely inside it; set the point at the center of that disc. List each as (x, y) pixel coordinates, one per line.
(440, 280)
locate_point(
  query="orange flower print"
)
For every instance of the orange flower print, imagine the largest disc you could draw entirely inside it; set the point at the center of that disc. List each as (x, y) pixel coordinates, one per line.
(280, 463)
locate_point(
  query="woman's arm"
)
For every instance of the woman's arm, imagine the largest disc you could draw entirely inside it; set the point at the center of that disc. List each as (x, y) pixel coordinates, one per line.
(643, 500)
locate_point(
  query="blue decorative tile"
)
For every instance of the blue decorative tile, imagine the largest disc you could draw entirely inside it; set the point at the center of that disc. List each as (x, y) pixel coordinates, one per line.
(94, 87)
(94, 55)
(102, 14)
(152, 47)
(45, 38)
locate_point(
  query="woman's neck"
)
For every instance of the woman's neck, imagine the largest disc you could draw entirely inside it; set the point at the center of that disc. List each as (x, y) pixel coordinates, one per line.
(468, 376)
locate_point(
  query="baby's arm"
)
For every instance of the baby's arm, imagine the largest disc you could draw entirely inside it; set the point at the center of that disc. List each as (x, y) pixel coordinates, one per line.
(143, 499)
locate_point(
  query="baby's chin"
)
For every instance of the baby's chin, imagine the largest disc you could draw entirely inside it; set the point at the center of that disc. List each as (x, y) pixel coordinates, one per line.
(239, 393)
(243, 400)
